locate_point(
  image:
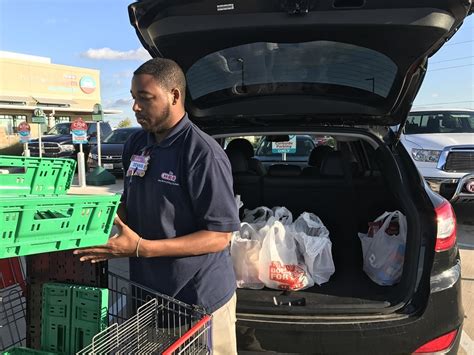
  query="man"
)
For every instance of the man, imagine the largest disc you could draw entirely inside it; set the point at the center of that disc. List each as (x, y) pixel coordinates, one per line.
(178, 209)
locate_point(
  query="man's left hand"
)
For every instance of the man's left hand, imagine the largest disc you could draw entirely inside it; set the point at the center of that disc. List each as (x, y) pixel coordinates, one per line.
(121, 245)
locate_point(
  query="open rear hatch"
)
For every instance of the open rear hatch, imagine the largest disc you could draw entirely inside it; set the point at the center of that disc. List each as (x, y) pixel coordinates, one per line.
(360, 61)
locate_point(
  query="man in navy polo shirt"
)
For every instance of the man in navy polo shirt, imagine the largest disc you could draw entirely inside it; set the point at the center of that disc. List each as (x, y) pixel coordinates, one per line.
(178, 208)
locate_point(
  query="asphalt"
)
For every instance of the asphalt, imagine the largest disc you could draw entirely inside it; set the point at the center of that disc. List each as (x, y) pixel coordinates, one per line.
(95, 190)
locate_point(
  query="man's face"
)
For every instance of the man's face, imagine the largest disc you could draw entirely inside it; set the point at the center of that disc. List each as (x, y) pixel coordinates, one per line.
(152, 103)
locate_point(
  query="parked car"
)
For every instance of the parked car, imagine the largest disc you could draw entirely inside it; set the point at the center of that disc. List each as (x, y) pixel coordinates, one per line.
(441, 143)
(57, 142)
(284, 148)
(349, 70)
(111, 150)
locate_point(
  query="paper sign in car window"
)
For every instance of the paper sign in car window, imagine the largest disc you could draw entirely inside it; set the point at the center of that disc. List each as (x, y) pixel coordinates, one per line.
(285, 147)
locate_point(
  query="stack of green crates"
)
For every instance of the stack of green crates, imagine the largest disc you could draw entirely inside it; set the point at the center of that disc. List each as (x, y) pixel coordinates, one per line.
(37, 215)
(71, 316)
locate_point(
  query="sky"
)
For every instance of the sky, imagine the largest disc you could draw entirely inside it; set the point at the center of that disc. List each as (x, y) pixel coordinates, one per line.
(97, 34)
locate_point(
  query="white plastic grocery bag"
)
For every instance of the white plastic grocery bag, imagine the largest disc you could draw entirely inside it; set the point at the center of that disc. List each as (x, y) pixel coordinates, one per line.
(283, 215)
(245, 251)
(258, 216)
(311, 225)
(314, 244)
(280, 266)
(384, 253)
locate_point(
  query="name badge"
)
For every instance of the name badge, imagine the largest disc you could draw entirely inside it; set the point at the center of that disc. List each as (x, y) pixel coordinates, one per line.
(138, 165)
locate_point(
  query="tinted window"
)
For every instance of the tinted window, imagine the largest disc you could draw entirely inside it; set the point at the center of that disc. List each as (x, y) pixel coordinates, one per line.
(61, 128)
(306, 68)
(440, 122)
(119, 136)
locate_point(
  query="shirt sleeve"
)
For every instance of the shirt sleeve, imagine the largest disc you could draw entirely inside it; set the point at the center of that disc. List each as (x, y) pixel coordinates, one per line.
(210, 188)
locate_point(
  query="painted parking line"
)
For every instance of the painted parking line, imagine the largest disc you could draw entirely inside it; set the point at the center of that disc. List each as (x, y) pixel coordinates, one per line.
(467, 343)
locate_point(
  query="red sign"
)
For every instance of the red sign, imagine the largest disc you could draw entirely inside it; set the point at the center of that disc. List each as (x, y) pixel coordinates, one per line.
(78, 125)
(24, 127)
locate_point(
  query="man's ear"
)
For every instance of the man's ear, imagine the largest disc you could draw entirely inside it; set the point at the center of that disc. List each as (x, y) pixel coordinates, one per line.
(176, 95)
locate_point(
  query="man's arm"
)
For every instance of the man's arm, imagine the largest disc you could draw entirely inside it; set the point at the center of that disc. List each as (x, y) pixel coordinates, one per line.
(127, 243)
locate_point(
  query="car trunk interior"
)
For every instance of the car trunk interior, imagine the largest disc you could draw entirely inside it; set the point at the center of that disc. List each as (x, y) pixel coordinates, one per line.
(346, 194)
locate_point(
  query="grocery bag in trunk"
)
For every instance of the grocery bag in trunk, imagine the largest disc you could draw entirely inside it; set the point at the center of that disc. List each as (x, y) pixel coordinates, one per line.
(280, 265)
(258, 217)
(314, 244)
(383, 248)
(245, 250)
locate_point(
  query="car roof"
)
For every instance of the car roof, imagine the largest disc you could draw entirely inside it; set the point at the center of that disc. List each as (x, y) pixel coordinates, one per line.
(443, 110)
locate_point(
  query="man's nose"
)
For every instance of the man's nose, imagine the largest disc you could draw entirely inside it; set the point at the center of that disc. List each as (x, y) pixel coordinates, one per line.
(135, 106)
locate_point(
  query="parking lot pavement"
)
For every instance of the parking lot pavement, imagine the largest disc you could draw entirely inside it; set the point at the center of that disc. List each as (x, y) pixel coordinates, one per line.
(465, 217)
(96, 190)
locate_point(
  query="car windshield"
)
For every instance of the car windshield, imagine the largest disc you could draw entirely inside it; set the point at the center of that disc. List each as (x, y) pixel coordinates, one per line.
(440, 122)
(308, 68)
(60, 128)
(119, 136)
(297, 148)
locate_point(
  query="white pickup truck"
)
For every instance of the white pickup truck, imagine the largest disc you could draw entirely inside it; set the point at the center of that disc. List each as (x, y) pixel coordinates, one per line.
(441, 143)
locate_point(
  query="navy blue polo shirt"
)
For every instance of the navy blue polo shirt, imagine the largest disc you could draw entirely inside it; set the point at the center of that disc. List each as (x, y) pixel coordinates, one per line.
(187, 187)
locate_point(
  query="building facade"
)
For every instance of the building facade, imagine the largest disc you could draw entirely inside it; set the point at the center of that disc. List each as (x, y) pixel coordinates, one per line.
(29, 82)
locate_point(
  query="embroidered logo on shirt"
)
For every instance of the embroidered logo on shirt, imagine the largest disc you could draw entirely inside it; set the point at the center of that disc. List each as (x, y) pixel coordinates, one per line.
(168, 178)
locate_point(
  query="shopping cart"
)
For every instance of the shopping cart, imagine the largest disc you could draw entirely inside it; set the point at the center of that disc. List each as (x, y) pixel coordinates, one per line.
(142, 321)
(146, 322)
(12, 303)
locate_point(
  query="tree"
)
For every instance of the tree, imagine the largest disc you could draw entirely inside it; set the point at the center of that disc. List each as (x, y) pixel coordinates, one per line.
(125, 123)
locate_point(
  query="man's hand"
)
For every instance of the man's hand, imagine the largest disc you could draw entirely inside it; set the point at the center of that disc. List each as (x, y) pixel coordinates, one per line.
(121, 245)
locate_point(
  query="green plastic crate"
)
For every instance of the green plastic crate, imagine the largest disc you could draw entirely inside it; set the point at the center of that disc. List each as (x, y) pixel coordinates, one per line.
(89, 315)
(56, 318)
(33, 225)
(23, 176)
(25, 351)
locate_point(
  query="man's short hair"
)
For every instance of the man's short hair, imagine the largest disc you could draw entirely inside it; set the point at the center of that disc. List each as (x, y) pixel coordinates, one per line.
(166, 72)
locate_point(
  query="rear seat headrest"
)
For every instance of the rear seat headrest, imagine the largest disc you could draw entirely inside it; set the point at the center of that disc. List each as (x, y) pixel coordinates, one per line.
(333, 164)
(238, 161)
(257, 166)
(242, 145)
(317, 155)
(284, 170)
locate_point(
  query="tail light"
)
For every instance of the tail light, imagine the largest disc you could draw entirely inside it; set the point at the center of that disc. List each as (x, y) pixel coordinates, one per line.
(446, 237)
(441, 343)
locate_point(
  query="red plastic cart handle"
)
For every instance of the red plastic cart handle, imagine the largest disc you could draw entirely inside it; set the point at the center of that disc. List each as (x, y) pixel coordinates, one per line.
(186, 336)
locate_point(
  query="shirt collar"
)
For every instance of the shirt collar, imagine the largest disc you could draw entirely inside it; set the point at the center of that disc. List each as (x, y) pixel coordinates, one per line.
(175, 132)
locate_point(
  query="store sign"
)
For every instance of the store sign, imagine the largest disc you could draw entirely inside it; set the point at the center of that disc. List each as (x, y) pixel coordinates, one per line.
(79, 131)
(24, 131)
(38, 116)
(87, 84)
(97, 113)
(285, 147)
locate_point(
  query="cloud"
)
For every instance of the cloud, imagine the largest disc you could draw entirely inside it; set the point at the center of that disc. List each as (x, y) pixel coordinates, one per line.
(109, 54)
(119, 103)
(435, 95)
(127, 74)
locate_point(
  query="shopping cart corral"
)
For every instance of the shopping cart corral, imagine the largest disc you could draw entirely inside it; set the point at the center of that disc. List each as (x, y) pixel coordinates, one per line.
(141, 321)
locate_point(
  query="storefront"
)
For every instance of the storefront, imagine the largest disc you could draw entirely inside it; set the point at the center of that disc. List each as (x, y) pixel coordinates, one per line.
(28, 82)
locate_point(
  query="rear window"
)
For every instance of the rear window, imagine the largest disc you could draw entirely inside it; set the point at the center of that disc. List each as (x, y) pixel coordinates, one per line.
(119, 136)
(440, 122)
(315, 68)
